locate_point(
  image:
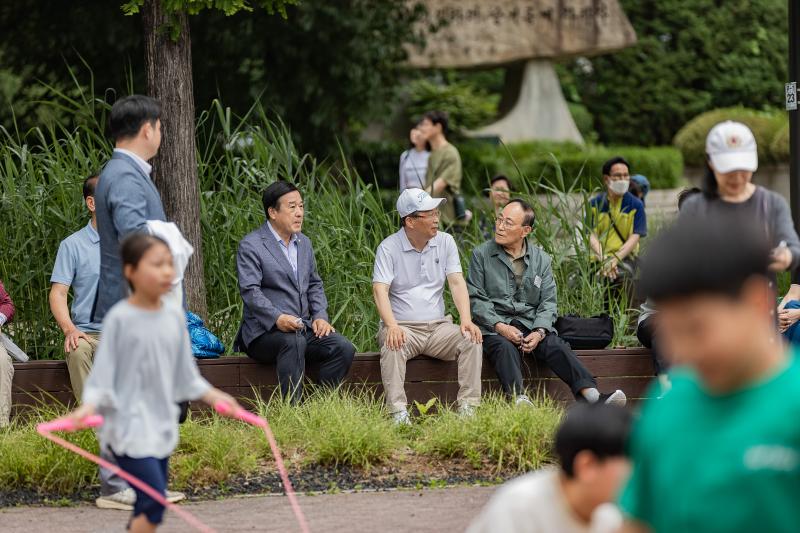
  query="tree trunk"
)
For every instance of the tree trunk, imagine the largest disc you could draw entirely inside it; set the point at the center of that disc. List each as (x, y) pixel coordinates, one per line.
(168, 65)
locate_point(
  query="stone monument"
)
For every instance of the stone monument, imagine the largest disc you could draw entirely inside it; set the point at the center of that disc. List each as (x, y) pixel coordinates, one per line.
(523, 36)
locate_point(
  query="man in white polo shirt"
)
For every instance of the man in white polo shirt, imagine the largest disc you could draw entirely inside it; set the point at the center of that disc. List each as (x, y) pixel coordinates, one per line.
(411, 267)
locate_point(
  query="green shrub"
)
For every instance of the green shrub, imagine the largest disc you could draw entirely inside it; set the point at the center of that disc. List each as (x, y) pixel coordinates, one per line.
(780, 144)
(500, 434)
(691, 138)
(467, 106)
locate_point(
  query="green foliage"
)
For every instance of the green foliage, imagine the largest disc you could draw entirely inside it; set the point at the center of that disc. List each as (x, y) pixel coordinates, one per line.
(691, 56)
(328, 428)
(28, 461)
(467, 105)
(302, 68)
(331, 428)
(780, 144)
(500, 435)
(765, 125)
(346, 218)
(212, 450)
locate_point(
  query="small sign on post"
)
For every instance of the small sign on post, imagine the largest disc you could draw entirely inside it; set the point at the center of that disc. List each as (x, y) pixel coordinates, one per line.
(791, 96)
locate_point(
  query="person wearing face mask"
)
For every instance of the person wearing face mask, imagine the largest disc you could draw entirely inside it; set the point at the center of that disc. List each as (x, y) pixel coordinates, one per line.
(728, 189)
(618, 222)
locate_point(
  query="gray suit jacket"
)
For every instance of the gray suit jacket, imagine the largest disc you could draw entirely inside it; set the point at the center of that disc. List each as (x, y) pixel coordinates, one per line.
(269, 288)
(126, 199)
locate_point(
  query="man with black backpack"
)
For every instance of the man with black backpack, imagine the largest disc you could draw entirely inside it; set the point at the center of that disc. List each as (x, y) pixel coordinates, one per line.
(618, 221)
(513, 300)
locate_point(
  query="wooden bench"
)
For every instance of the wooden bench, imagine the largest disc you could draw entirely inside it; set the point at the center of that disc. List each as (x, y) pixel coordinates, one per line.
(628, 369)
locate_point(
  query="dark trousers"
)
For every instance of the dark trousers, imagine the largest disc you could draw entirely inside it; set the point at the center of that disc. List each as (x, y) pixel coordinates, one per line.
(290, 351)
(646, 334)
(553, 350)
(153, 472)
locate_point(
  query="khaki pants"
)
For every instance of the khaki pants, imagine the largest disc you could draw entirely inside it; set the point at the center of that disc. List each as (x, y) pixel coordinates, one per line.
(79, 363)
(6, 377)
(440, 339)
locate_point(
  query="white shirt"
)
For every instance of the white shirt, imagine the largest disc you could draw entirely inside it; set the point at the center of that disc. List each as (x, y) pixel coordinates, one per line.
(416, 279)
(290, 252)
(535, 503)
(413, 168)
(141, 163)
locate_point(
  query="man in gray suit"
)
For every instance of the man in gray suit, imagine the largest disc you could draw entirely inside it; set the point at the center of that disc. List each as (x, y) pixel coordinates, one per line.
(285, 310)
(125, 196)
(125, 199)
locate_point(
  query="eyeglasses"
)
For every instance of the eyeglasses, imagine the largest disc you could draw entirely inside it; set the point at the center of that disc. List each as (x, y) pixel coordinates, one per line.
(428, 214)
(507, 222)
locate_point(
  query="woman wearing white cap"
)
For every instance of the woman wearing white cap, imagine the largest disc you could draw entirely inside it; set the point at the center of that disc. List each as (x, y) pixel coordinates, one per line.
(732, 157)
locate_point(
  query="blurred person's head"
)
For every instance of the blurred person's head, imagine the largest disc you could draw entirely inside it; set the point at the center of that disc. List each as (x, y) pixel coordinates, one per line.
(135, 124)
(617, 176)
(500, 191)
(283, 207)
(687, 193)
(417, 139)
(636, 190)
(709, 280)
(147, 265)
(89, 185)
(434, 124)
(731, 159)
(513, 224)
(642, 184)
(590, 446)
(419, 213)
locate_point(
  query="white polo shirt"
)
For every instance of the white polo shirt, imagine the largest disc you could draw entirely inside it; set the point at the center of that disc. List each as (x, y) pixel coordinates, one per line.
(416, 279)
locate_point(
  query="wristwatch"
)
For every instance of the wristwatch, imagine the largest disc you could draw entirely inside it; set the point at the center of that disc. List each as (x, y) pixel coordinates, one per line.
(541, 331)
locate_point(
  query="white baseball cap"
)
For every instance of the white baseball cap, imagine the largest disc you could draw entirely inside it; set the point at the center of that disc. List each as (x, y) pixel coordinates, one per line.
(731, 146)
(413, 200)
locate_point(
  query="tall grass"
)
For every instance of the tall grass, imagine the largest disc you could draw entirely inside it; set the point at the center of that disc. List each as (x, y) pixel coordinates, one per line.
(499, 435)
(347, 217)
(330, 428)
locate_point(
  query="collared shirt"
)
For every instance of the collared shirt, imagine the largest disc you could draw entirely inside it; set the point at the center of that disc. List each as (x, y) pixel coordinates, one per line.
(627, 214)
(289, 251)
(518, 264)
(416, 279)
(141, 163)
(78, 266)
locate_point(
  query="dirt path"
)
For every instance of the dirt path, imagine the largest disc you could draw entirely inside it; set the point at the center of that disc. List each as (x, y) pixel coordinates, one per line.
(434, 510)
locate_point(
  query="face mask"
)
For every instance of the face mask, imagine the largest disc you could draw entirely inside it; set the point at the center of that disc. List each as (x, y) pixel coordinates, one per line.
(619, 187)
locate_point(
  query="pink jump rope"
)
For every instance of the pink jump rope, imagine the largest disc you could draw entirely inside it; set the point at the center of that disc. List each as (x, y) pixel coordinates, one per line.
(62, 424)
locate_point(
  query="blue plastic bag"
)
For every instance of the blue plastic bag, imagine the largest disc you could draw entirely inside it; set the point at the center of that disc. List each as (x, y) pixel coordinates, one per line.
(205, 345)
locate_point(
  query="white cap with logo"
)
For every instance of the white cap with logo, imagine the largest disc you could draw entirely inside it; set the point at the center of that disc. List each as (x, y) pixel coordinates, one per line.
(731, 146)
(413, 200)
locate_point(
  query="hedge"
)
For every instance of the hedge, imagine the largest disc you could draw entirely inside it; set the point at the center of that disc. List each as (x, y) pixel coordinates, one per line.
(766, 125)
(534, 161)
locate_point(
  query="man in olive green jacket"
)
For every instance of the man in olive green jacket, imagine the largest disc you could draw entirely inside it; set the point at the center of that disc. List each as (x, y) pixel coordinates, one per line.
(513, 300)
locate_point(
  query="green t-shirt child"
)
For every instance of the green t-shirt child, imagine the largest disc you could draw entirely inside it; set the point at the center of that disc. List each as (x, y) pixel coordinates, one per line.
(722, 463)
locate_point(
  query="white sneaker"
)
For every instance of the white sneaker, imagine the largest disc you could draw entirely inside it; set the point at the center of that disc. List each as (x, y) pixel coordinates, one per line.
(466, 410)
(121, 501)
(617, 398)
(173, 496)
(401, 418)
(523, 401)
(124, 499)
